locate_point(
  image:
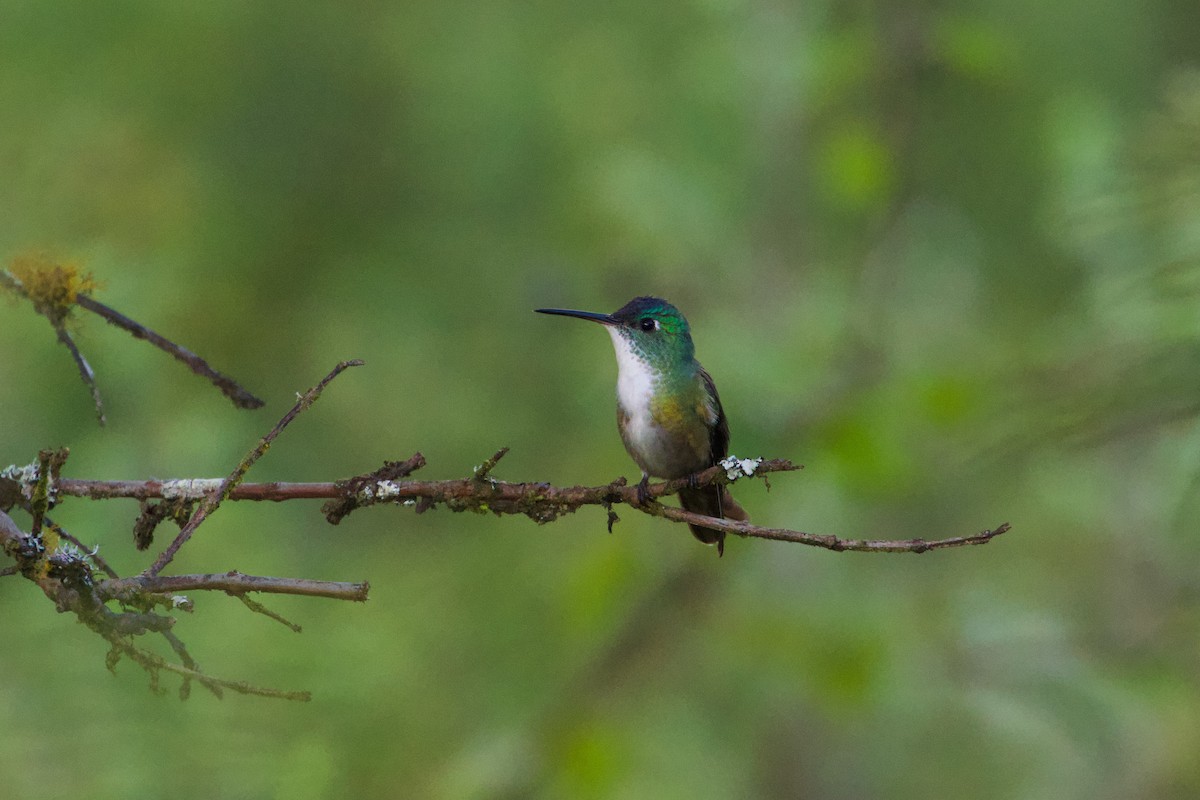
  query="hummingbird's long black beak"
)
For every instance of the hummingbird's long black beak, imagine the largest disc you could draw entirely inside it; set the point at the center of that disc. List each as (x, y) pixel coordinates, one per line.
(603, 319)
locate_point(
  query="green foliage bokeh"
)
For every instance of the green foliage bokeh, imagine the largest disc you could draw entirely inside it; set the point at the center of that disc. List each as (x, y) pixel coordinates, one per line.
(947, 257)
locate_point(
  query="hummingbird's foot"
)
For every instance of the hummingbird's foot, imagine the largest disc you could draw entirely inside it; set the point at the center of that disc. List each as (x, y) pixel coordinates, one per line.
(643, 490)
(693, 480)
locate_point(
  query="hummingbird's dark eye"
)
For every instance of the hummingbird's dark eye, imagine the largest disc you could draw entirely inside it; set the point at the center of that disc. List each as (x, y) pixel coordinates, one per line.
(648, 324)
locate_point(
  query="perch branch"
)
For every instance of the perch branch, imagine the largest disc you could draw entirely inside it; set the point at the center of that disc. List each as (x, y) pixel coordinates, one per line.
(539, 501)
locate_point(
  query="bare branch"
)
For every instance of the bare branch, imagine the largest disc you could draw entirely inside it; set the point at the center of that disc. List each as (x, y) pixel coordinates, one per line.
(229, 387)
(828, 541)
(234, 583)
(259, 608)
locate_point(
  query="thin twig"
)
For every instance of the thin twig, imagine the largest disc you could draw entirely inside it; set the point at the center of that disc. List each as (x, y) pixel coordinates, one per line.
(483, 470)
(213, 499)
(235, 583)
(152, 662)
(259, 608)
(229, 387)
(85, 369)
(185, 686)
(828, 541)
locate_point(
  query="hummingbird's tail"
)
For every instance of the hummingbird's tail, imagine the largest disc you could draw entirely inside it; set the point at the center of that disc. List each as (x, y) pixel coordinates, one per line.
(711, 501)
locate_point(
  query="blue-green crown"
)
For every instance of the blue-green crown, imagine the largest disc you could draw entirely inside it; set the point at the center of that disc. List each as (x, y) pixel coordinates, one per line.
(655, 327)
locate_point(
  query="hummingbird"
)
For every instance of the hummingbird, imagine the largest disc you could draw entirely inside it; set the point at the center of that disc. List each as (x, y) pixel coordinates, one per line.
(668, 411)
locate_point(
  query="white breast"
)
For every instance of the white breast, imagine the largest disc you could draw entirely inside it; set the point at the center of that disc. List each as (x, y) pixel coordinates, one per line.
(636, 383)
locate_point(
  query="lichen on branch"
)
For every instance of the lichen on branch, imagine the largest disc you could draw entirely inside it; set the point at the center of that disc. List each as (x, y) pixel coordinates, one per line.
(50, 284)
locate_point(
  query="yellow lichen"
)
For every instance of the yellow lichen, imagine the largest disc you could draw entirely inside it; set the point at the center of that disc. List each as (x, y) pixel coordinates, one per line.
(51, 285)
(50, 538)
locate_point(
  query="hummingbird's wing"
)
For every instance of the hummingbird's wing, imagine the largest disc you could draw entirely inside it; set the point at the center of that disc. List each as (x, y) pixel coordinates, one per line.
(718, 437)
(713, 501)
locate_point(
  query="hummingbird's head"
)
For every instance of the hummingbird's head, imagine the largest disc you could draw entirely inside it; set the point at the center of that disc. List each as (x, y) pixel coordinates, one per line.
(650, 327)
(655, 328)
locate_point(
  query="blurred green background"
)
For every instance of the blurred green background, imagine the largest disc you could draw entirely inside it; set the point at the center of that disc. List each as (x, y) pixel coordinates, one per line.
(945, 255)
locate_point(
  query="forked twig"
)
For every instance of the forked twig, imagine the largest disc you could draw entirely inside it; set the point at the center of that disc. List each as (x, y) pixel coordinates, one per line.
(214, 497)
(56, 289)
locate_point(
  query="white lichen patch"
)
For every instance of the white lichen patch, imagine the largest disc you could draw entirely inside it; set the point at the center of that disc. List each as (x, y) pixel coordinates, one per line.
(189, 488)
(739, 467)
(384, 490)
(69, 550)
(26, 475)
